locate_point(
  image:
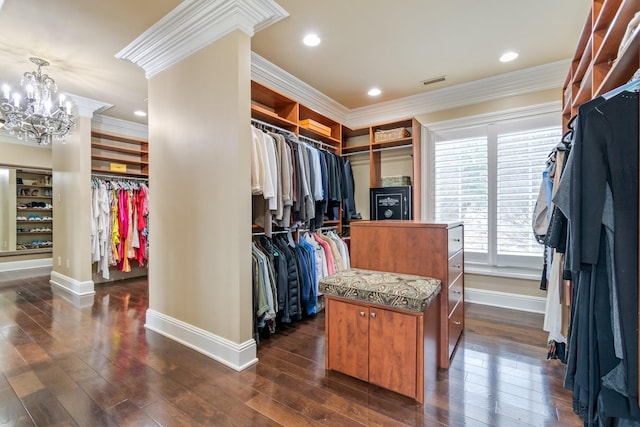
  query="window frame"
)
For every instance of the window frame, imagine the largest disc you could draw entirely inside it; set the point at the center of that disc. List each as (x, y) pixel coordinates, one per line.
(502, 122)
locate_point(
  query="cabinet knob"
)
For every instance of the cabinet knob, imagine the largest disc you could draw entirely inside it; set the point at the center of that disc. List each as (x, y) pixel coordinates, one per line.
(362, 314)
(458, 266)
(457, 323)
(373, 315)
(459, 292)
(456, 240)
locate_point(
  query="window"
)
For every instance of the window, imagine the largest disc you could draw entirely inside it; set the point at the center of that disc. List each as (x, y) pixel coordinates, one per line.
(489, 175)
(461, 188)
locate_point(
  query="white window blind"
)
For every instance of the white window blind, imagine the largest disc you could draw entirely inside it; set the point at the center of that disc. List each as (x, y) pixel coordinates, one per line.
(487, 172)
(461, 188)
(520, 162)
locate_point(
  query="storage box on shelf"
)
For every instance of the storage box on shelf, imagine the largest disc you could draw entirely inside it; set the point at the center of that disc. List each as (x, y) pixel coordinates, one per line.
(323, 129)
(116, 154)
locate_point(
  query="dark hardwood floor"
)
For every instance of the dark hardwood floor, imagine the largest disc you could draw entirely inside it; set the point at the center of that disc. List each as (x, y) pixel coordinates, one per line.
(99, 366)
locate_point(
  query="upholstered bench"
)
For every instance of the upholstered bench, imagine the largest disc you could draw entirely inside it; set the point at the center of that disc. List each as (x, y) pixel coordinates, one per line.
(383, 328)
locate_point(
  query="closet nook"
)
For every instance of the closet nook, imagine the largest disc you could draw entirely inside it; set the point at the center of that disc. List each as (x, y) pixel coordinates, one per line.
(119, 206)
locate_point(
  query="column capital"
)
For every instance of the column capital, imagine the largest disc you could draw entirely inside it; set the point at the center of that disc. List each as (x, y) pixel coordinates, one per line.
(87, 107)
(195, 24)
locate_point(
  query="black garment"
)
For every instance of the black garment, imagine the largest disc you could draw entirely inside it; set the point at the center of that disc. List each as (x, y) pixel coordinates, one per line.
(610, 154)
(293, 283)
(349, 203)
(605, 153)
(577, 153)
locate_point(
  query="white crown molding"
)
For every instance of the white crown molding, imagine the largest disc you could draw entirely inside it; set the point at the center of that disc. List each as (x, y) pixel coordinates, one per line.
(87, 107)
(534, 79)
(236, 356)
(268, 74)
(119, 127)
(195, 24)
(554, 107)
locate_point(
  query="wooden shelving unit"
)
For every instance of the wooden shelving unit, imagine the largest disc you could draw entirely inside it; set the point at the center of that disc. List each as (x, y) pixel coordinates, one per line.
(354, 143)
(597, 66)
(274, 108)
(110, 153)
(605, 65)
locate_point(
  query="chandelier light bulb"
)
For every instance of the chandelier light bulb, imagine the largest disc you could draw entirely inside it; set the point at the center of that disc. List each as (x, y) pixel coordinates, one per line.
(61, 100)
(16, 100)
(6, 90)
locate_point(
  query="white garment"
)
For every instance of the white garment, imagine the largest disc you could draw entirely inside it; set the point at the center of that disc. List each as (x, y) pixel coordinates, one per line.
(271, 173)
(342, 248)
(553, 309)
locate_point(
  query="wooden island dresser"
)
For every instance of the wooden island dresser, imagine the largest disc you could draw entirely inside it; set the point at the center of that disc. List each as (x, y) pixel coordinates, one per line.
(421, 248)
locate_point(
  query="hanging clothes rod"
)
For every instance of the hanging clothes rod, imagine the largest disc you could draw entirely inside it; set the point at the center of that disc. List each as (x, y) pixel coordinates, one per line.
(262, 233)
(326, 228)
(119, 178)
(260, 123)
(315, 142)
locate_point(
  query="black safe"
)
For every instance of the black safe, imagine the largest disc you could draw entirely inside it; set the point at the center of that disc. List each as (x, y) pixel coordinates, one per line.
(390, 203)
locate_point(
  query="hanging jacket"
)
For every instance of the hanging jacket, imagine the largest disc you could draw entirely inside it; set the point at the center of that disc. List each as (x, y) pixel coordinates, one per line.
(293, 283)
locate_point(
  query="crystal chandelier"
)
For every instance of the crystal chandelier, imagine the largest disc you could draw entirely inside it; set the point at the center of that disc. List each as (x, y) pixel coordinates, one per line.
(35, 116)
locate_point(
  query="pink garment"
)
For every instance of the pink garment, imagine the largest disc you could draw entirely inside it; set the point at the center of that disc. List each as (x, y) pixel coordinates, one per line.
(331, 269)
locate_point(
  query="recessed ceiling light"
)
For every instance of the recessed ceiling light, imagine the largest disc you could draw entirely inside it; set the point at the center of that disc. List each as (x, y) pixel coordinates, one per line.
(508, 56)
(311, 40)
(140, 113)
(374, 91)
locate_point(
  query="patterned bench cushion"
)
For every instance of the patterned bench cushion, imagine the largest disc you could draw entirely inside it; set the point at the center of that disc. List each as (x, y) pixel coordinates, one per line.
(405, 291)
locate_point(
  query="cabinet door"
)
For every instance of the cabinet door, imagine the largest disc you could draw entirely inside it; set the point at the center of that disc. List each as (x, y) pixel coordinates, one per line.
(393, 350)
(348, 338)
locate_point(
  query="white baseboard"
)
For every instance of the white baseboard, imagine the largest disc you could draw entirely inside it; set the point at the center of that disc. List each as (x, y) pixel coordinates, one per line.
(26, 264)
(80, 294)
(519, 302)
(233, 355)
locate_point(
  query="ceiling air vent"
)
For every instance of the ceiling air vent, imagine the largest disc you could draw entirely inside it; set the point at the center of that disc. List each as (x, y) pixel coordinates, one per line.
(433, 80)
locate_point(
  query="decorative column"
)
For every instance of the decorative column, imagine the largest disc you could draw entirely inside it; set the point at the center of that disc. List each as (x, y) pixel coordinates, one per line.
(198, 62)
(71, 176)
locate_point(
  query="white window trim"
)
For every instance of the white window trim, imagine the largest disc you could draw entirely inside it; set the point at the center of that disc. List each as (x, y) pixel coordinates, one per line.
(428, 178)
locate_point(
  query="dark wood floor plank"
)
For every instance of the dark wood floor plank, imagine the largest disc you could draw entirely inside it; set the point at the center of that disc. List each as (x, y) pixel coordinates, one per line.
(45, 410)
(99, 366)
(84, 410)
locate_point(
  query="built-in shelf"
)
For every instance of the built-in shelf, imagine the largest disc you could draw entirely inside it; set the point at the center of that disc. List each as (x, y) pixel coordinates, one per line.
(109, 152)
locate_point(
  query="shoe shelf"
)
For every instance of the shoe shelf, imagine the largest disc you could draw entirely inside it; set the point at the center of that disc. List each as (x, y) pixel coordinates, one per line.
(34, 210)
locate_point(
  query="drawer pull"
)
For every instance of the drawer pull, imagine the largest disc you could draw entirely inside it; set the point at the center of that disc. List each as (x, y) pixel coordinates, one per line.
(373, 315)
(362, 314)
(457, 323)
